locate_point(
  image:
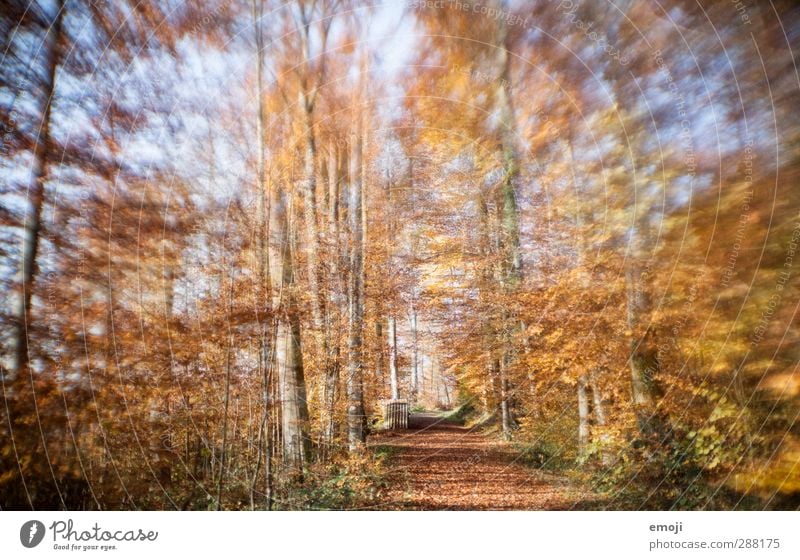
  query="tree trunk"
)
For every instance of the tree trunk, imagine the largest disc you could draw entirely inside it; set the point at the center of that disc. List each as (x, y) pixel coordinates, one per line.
(307, 101)
(331, 339)
(393, 357)
(329, 395)
(269, 437)
(380, 344)
(264, 433)
(264, 200)
(32, 223)
(227, 400)
(509, 239)
(333, 194)
(643, 359)
(294, 421)
(356, 433)
(159, 410)
(310, 219)
(262, 191)
(288, 347)
(506, 416)
(599, 407)
(415, 386)
(583, 415)
(512, 262)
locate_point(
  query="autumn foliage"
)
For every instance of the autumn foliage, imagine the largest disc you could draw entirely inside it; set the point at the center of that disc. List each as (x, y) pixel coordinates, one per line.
(230, 233)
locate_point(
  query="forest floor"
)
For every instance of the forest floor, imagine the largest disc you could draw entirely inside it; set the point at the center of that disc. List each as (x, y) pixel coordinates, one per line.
(440, 465)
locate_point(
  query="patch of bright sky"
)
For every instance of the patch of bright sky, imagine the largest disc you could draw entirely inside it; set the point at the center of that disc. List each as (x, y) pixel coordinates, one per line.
(393, 37)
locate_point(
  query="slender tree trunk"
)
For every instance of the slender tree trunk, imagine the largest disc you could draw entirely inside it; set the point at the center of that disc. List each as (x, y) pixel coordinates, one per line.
(355, 398)
(310, 219)
(509, 239)
(263, 199)
(583, 415)
(307, 102)
(506, 416)
(264, 318)
(269, 439)
(380, 344)
(257, 468)
(490, 388)
(333, 193)
(227, 400)
(159, 414)
(393, 358)
(512, 262)
(496, 387)
(329, 395)
(32, 223)
(415, 387)
(331, 382)
(264, 434)
(392, 319)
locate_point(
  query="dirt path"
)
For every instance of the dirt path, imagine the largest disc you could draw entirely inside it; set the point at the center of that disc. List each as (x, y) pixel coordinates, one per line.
(439, 465)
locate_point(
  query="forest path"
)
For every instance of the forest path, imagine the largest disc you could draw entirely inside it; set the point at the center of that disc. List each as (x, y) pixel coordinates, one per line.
(440, 465)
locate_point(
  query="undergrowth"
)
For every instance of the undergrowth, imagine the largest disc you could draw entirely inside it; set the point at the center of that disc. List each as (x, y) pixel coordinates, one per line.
(344, 484)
